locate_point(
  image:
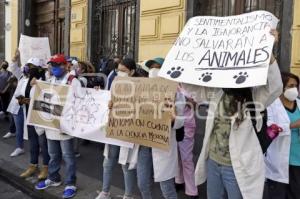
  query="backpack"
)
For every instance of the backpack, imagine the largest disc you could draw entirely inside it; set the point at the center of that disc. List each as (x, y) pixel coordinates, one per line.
(262, 135)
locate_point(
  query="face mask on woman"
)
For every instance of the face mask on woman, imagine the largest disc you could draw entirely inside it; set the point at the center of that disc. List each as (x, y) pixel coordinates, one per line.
(291, 94)
(122, 74)
(57, 71)
(153, 72)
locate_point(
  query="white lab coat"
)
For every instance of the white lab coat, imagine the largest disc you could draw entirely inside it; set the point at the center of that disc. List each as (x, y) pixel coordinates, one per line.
(14, 106)
(278, 153)
(165, 163)
(245, 151)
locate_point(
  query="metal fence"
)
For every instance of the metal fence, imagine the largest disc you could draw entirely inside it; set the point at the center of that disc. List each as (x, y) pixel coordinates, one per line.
(113, 28)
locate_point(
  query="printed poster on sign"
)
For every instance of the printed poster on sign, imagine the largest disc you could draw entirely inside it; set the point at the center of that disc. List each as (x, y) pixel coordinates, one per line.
(56, 107)
(225, 52)
(139, 114)
(34, 47)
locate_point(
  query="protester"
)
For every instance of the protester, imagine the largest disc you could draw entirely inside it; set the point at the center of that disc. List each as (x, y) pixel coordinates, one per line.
(283, 157)
(4, 77)
(60, 145)
(231, 158)
(17, 109)
(186, 169)
(152, 160)
(37, 140)
(126, 68)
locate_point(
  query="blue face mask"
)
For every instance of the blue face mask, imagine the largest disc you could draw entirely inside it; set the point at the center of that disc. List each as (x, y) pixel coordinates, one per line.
(57, 71)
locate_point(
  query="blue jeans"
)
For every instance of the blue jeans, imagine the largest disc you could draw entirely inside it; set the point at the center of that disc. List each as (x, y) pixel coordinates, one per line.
(109, 164)
(145, 173)
(219, 179)
(12, 127)
(19, 123)
(58, 150)
(35, 146)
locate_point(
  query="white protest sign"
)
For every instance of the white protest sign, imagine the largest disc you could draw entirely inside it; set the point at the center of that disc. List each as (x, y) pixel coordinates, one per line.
(37, 47)
(226, 52)
(87, 116)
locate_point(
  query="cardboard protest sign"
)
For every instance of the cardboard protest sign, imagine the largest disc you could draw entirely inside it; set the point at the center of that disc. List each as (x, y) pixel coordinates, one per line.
(46, 105)
(138, 114)
(226, 52)
(56, 107)
(86, 117)
(37, 47)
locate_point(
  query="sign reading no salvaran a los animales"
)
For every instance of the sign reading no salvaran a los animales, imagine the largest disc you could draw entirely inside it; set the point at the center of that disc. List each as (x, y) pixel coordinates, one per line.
(139, 114)
(230, 52)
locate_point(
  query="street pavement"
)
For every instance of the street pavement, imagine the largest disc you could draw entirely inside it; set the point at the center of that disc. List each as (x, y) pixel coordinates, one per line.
(89, 167)
(9, 192)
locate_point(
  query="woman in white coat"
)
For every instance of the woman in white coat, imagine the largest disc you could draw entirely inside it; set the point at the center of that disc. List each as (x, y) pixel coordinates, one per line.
(231, 156)
(283, 155)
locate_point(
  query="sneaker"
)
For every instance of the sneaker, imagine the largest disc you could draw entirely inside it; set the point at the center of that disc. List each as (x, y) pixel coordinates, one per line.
(77, 155)
(128, 197)
(9, 135)
(17, 152)
(69, 192)
(46, 183)
(103, 195)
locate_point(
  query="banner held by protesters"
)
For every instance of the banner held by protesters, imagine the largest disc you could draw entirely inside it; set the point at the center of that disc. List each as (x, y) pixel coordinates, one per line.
(226, 52)
(139, 114)
(55, 107)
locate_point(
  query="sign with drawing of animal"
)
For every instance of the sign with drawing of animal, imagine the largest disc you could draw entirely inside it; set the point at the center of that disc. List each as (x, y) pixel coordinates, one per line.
(34, 47)
(226, 52)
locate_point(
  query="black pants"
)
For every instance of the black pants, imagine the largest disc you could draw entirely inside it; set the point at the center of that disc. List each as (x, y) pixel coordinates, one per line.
(294, 184)
(277, 190)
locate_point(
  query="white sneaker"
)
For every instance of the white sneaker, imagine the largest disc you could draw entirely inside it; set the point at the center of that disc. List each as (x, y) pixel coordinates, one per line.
(127, 197)
(17, 152)
(9, 135)
(103, 195)
(1, 112)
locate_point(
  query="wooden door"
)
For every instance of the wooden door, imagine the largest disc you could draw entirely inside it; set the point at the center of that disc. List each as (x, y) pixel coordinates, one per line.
(49, 22)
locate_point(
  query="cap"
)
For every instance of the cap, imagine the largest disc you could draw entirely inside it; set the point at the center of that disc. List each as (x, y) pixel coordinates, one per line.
(157, 60)
(58, 58)
(34, 61)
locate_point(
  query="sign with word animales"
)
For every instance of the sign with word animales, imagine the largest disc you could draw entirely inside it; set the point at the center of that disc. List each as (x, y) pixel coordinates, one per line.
(139, 113)
(226, 52)
(56, 107)
(34, 47)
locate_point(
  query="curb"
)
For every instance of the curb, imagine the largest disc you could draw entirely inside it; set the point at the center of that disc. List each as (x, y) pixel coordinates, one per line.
(24, 185)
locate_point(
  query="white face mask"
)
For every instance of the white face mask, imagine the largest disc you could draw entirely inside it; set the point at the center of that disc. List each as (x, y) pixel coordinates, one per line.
(122, 74)
(153, 72)
(291, 94)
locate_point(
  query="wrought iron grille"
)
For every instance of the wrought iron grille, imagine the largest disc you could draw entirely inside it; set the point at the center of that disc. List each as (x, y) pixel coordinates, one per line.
(235, 7)
(113, 29)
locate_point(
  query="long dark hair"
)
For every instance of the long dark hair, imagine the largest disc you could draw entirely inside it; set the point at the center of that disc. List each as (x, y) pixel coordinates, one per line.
(130, 64)
(285, 76)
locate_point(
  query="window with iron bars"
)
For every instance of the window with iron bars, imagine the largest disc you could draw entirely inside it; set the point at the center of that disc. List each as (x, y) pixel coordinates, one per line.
(113, 29)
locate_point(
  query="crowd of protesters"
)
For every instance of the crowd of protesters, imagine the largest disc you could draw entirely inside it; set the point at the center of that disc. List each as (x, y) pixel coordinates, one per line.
(232, 162)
